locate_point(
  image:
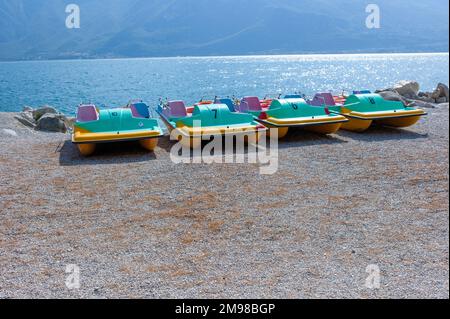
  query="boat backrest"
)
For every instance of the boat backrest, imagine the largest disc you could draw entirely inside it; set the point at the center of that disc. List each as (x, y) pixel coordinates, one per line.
(321, 98)
(87, 113)
(177, 109)
(362, 92)
(140, 110)
(253, 103)
(227, 102)
(243, 107)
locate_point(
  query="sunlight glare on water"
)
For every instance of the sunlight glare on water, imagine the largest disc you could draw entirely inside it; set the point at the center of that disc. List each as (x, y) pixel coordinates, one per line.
(112, 83)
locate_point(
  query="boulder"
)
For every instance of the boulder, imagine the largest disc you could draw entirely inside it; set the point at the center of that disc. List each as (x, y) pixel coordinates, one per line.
(408, 89)
(393, 96)
(70, 121)
(384, 90)
(27, 115)
(441, 100)
(436, 94)
(38, 113)
(424, 94)
(27, 109)
(425, 98)
(25, 120)
(422, 104)
(439, 95)
(52, 123)
(443, 90)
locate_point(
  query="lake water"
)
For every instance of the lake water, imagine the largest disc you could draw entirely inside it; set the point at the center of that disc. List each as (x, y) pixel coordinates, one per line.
(65, 84)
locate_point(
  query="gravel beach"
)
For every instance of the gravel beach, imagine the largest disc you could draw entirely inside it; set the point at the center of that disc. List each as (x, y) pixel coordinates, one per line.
(139, 226)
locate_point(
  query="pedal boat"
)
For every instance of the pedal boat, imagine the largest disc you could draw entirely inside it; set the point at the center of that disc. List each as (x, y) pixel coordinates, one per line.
(363, 110)
(131, 123)
(214, 119)
(284, 114)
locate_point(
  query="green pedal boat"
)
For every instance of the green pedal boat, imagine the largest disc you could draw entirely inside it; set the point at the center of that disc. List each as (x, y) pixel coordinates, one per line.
(364, 109)
(203, 120)
(131, 123)
(283, 114)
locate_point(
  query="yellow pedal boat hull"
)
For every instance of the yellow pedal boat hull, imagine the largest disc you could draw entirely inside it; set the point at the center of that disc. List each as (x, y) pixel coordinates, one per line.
(318, 124)
(360, 122)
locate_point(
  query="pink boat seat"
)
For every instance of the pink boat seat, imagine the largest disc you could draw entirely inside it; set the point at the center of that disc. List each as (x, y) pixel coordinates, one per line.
(321, 98)
(253, 103)
(242, 107)
(177, 109)
(87, 113)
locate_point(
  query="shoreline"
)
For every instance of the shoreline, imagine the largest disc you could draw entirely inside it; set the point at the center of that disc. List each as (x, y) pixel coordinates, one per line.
(355, 54)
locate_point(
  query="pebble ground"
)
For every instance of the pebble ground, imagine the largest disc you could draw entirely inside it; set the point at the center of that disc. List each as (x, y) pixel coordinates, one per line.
(140, 226)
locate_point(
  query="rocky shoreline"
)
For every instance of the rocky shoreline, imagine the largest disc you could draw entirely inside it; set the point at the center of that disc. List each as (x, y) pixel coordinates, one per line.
(409, 93)
(47, 118)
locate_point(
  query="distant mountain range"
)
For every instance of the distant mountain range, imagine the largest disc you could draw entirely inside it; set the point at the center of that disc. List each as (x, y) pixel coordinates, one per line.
(31, 29)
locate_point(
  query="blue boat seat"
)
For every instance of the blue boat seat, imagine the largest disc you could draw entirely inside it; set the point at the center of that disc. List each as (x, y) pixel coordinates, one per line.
(227, 102)
(140, 110)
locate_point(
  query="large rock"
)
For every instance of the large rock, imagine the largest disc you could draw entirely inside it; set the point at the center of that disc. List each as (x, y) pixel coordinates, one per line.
(27, 115)
(52, 123)
(443, 90)
(426, 98)
(70, 122)
(393, 96)
(422, 104)
(27, 109)
(408, 89)
(435, 94)
(38, 113)
(439, 95)
(26, 118)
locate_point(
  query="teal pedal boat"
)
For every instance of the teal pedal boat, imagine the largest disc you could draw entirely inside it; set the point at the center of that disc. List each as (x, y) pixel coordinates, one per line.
(130, 123)
(206, 119)
(291, 112)
(363, 110)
